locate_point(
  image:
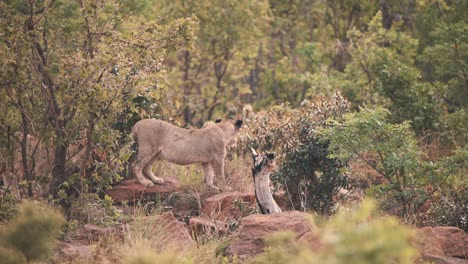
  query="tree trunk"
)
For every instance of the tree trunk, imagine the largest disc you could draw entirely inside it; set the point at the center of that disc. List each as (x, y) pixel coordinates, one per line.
(263, 166)
(386, 15)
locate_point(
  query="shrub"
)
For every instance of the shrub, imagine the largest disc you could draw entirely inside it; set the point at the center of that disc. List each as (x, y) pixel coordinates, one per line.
(90, 209)
(449, 208)
(32, 232)
(8, 206)
(396, 157)
(310, 177)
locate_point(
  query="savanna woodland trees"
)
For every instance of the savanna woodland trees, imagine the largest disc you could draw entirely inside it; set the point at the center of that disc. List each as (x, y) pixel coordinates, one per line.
(84, 71)
(77, 71)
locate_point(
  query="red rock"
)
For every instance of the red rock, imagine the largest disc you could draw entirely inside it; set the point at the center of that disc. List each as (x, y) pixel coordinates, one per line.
(202, 226)
(248, 240)
(74, 251)
(132, 190)
(444, 260)
(312, 240)
(443, 241)
(229, 205)
(172, 232)
(89, 233)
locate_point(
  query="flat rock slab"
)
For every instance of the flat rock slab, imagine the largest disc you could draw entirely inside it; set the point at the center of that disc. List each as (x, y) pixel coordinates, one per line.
(444, 242)
(229, 206)
(92, 233)
(171, 232)
(202, 226)
(75, 252)
(132, 190)
(248, 240)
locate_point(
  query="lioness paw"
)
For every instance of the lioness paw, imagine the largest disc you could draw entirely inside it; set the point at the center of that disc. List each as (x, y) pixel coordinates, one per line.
(147, 183)
(214, 188)
(157, 180)
(227, 189)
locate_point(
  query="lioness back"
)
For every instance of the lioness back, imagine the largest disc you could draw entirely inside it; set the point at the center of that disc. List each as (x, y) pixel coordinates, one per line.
(179, 145)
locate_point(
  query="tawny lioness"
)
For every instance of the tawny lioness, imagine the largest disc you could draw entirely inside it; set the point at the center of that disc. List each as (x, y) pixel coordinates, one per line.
(159, 139)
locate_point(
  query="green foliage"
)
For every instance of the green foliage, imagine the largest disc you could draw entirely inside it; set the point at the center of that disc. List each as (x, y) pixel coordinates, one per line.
(351, 236)
(228, 34)
(382, 72)
(449, 207)
(11, 256)
(306, 171)
(94, 69)
(391, 150)
(90, 209)
(281, 246)
(444, 50)
(32, 233)
(392, 147)
(8, 206)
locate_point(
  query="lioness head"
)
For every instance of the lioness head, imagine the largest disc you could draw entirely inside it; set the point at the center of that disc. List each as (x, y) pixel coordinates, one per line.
(230, 129)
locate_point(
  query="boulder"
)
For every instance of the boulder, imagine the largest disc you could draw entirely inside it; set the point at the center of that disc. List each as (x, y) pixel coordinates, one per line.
(202, 226)
(172, 232)
(444, 260)
(91, 233)
(74, 252)
(312, 240)
(443, 243)
(132, 190)
(229, 206)
(248, 240)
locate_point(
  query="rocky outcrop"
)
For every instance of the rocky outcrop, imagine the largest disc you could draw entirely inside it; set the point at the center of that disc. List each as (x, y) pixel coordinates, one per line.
(173, 232)
(76, 253)
(201, 226)
(132, 190)
(91, 233)
(443, 244)
(248, 240)
(229, 206)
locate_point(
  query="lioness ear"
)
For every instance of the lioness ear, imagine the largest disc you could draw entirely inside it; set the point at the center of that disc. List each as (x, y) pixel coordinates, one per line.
(238, 124)
(218, 120)
(270, 156)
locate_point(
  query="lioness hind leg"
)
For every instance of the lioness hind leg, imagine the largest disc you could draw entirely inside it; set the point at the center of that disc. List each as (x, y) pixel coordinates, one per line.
(137, 167)
(148, 172)
(208, 173)
(218, 168)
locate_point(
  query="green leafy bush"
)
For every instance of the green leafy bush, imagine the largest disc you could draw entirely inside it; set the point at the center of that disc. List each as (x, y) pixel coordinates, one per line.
(8, 206)
(310, 177)
(449, 208)
(31, 233)
(89, 208)
(391, 150)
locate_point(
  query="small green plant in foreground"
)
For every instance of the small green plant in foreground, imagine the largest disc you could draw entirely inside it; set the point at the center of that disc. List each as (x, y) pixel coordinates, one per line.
(30, 235)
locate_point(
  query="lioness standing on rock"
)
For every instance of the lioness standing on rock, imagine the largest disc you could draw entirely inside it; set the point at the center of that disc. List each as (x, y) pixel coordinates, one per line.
(159, 139)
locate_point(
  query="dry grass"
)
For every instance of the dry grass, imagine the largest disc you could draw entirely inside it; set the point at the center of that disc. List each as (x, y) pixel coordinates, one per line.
(237, 171)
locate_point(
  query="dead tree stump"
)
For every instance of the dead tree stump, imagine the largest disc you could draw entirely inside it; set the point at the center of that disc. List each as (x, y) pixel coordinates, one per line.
(263, 166)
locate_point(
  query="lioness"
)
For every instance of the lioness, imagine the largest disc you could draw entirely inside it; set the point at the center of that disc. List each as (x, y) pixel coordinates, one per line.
(159, 139)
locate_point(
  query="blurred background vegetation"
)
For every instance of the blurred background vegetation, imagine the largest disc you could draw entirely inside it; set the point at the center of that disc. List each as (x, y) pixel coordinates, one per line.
(343, 91)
